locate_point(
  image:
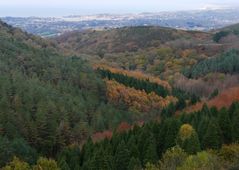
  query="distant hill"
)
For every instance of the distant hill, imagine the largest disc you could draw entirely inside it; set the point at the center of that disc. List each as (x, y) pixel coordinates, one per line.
(156, 50)
(8, 32)
(125, 39)
(229, 36)
(160, 51)
(233, 28)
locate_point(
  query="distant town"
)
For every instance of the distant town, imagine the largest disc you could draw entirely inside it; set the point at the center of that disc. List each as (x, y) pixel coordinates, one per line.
(203, 20)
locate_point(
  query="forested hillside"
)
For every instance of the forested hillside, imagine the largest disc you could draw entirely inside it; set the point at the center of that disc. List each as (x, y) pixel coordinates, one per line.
(227, 34)
(115, 100)
(159, 51)
(143, 94)
(120, 40)
(179, 142)
(201, 140)
(227, 63)
(195, 64)
(47, 101)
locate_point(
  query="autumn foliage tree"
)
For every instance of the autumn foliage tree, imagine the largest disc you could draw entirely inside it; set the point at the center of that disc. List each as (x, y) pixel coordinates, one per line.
(136, 99)
(188, 140)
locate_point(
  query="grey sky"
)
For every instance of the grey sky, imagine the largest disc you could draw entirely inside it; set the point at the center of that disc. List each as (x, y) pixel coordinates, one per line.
(68, 7)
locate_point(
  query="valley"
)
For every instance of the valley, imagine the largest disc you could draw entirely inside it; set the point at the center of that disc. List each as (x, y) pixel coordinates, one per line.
(119, 98)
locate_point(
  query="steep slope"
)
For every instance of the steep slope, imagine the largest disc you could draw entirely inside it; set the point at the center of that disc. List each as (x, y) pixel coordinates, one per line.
(8, 32)
(50, 104)
(47, 101)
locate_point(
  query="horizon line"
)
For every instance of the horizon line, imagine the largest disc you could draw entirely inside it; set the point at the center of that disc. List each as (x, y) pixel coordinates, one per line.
(121, 14)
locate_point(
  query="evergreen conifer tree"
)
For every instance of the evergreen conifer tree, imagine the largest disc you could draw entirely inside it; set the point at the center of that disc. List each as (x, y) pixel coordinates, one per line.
(225, 126)
(212, 138)
(134, 164)
(122, 157)
(235, 126)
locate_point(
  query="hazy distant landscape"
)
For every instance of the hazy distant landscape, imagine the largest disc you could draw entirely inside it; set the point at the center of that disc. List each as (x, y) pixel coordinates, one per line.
(203, 20)
(103, 85)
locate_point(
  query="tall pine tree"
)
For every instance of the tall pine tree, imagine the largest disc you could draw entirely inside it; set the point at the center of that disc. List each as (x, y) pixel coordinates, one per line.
(235, 126)
(122, 157)
(225, 126)
(212, 138)
(150, 154)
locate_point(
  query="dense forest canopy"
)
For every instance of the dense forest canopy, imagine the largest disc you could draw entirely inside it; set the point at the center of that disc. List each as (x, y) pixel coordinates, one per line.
(58, 112)
(232, 30)
(142, 146)
(227, 62)
(174, 140)
(48, 101)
